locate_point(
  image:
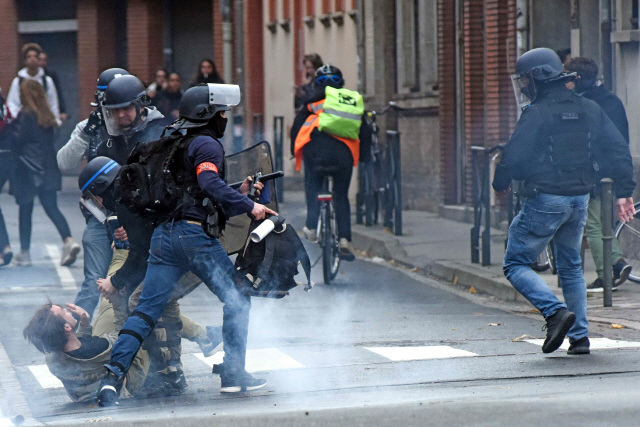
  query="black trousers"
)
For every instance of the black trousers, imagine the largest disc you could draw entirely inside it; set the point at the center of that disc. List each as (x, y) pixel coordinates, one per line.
(49, 200)
(328, 153)
(6, 165)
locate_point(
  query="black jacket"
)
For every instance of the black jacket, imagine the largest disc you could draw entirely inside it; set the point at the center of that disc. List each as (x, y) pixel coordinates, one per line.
(612, 106)
(36, 166)
(520, 157)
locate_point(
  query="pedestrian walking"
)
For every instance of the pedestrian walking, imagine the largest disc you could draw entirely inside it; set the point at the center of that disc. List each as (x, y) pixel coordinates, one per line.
(32, 71)
(310, 63)
(586, 84)
(558, 143)
(168, 101)
(207, 73)
(43, 60)
(159, 83)
(36, 172)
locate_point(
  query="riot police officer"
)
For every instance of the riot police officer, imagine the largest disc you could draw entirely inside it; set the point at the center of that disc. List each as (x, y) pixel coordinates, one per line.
(84, 141)
(181, 244)
(561, 139)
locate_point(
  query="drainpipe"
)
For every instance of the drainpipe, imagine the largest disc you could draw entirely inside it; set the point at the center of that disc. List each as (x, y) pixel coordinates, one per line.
(606, 50)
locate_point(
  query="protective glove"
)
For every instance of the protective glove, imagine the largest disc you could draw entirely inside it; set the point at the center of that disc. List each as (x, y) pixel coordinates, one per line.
(94, 123)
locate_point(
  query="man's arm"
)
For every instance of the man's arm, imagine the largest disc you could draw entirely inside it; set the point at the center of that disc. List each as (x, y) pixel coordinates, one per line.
(519, 151)
(13, 98)
(71, 153)
(617, 157)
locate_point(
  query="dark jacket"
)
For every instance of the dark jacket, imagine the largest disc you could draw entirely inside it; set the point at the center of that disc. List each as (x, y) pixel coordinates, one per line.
(36, 164)
(612, 106)
(166, 102)
(521, 159)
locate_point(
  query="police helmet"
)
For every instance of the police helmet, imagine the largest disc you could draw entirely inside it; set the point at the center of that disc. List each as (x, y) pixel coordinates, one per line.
(200, 103)
(98, 175)
(543, 64)
(123, 92)
(329, 75)
(103, 81)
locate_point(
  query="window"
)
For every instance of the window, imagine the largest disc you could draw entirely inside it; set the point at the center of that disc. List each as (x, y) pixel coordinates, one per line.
(340, 5)
(416, 45)
(326, 6)
(273, 12)
(286, 9)
(310, 8)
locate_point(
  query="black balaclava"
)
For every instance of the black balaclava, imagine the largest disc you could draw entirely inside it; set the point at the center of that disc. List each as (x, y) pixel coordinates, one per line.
(217, 124)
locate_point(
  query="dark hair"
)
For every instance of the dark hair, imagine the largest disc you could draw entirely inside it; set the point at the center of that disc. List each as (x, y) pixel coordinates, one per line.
(214, 76)
(46, 330)
(161, 69)
(563, 53)
(30, 47)
(315, 60)
(585, 67)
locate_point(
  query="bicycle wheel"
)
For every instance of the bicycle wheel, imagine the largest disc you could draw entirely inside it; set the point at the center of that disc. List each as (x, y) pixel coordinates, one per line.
(628, 235)
(330, 245)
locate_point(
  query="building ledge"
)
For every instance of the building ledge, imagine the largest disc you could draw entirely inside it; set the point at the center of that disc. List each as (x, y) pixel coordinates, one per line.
(272, 26)
(338, 18)
(418, 101)
(310, 21)
(625, 36)
(325, 19)
(285, 24)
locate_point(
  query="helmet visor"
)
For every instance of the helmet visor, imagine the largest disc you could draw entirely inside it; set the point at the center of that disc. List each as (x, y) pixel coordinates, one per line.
(122, 120)
(524, 89)
(220, 94)
(94, 205)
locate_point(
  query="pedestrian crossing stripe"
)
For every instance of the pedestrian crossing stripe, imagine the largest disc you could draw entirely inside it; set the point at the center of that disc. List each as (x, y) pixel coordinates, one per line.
(45, 377)
(258, 360)
(403, 354)
(66, 278)
(595, 344)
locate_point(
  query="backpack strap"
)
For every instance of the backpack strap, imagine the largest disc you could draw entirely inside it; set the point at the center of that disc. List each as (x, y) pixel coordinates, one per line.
(269, 250)
(44, 82)
(303, 257)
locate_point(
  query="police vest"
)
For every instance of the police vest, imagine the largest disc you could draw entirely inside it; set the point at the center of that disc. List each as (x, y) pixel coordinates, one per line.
(312, 122)
(566, 152)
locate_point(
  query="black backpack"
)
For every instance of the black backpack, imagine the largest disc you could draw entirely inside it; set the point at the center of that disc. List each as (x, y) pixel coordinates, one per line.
(267, 268)
(154, 183)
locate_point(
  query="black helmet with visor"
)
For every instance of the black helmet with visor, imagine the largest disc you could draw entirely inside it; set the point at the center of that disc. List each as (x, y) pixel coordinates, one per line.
(122, 93)
(200, 103)
(103, 81)
(94, 181)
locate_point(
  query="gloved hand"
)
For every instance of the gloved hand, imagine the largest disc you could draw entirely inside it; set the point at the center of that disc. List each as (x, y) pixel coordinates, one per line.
(94, 123)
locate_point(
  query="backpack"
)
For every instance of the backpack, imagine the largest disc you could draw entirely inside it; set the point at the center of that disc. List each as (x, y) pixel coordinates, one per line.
(267, 268)
(154, 184)
(44, 82)
(342, 113)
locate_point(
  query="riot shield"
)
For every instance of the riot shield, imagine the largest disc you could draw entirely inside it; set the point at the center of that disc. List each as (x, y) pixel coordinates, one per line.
(240, 165)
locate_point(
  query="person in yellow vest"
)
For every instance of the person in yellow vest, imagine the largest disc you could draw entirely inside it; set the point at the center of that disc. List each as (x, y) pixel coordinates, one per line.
(329, 135)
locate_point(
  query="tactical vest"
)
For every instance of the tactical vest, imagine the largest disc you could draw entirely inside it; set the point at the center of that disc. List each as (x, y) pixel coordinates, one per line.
(566, 159)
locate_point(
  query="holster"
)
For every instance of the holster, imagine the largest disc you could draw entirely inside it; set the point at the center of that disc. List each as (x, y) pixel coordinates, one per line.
(213, 224)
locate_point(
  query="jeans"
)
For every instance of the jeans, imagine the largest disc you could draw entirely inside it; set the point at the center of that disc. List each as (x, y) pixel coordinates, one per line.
(339, 158)
(6, 165)
(177, 248)
(49, 200)
(97, 257)
(542, 218)
(593, 230)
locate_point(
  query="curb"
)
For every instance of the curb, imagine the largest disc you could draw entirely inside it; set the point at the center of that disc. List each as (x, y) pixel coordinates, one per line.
(389, 248)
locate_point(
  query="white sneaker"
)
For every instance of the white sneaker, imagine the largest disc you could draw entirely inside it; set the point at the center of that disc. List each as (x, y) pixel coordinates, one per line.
(22, 258)
(309, 234)
(69, 252)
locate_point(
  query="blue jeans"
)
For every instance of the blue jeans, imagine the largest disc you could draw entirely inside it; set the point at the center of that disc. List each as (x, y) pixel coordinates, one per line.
(97, 257)
(542, 218)
(175, 249)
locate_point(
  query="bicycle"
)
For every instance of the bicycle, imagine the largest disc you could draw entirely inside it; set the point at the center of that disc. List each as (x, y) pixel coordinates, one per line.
(327, 228)
(380, 187)
(628, 235)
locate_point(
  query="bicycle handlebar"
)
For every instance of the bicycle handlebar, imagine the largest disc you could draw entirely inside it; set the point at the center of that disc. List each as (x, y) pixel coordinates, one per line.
(392, 106)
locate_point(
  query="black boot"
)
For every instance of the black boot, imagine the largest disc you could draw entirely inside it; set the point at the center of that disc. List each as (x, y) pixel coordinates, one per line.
(109, 389)
(558, 324)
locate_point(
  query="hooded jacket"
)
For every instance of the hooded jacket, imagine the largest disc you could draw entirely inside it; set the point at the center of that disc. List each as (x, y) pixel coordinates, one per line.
(13, 98)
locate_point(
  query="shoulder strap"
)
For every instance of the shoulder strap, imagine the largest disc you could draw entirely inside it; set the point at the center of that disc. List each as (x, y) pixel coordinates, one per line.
(303, 257)
(45, 85)
(269, 250)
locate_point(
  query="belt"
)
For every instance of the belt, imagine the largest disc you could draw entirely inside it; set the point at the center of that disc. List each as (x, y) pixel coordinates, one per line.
(188, 221)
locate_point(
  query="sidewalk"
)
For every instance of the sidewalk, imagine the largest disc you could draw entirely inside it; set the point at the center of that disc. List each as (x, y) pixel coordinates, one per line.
(442, 248)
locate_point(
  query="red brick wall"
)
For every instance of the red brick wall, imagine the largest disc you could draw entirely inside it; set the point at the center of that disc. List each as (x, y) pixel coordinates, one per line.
(9, 44)
(96, 52)
(447, 97)
(298, 42)
(218, 55)
(254, 64)
(144, 38)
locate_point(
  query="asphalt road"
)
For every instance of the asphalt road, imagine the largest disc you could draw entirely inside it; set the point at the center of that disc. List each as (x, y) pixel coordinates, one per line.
(380, 347)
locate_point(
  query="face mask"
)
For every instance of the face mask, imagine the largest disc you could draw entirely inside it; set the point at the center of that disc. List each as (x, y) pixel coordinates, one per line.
(218, 125)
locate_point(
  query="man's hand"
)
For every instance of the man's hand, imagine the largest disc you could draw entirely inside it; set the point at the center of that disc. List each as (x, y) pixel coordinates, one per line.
(246, 185)
(85, 320)
(625, 209)
(504, 193)
(259, 211)
(63, 117)
(121, 234)
(94, 123)
(106, 288)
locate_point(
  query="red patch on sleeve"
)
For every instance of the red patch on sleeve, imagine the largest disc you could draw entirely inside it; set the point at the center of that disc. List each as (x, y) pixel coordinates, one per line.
(206, 166)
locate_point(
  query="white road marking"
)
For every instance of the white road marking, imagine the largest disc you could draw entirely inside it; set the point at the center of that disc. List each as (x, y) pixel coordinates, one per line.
(596, 344)
(400, 354)
(66, 278)
(258, 360)
(45, 377)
